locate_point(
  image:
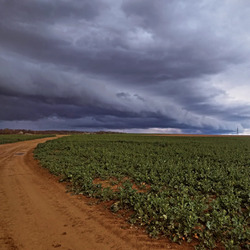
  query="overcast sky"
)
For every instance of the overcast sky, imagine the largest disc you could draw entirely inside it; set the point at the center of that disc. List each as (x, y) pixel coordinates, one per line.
(172, 66)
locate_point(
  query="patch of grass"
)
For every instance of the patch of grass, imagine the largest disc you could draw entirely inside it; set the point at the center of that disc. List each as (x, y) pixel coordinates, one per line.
(16, 138)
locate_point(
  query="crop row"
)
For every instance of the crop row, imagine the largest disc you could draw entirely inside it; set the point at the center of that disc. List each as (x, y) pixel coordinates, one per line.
(184, 188)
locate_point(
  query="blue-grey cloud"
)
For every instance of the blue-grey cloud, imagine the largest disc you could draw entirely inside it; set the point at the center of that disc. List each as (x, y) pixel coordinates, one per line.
(125, 64)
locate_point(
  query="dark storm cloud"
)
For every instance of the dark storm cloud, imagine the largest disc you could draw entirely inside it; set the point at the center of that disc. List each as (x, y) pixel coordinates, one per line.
(123, 64)
(48, 11)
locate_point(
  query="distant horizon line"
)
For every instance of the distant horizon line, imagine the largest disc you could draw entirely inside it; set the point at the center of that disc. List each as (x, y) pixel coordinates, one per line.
(70, 131)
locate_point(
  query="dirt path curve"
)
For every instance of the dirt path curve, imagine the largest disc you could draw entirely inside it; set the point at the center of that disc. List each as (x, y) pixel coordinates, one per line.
(37, 213)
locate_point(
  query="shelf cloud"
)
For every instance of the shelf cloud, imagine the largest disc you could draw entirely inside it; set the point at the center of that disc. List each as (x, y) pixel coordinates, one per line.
(136, 66)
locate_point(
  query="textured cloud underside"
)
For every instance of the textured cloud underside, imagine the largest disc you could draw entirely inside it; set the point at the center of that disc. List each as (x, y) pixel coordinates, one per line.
(181, 65)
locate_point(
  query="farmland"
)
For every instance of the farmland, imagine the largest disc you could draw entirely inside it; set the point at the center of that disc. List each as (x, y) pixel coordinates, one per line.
(185, 188)
(10, 138)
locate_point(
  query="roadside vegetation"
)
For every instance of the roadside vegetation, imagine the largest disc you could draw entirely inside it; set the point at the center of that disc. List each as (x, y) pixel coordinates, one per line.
(10, 138)
(194, 189)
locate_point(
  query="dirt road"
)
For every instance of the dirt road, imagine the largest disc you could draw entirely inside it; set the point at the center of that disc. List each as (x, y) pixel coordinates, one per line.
(37, 213)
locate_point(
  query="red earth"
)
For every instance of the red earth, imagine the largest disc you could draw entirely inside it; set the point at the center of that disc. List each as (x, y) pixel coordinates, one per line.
(37, 213)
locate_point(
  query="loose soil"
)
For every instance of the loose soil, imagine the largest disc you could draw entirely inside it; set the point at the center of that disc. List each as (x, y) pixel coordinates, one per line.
(115, 187)
(37, 213)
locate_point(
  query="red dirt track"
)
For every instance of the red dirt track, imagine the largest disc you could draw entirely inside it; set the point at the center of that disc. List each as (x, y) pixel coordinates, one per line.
(37, 213)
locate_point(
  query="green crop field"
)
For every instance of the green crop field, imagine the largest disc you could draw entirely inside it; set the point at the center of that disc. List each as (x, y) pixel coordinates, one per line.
(185, 188)
(16, 138)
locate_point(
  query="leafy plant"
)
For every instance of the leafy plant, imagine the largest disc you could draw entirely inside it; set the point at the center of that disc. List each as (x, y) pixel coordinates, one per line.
(184, 188)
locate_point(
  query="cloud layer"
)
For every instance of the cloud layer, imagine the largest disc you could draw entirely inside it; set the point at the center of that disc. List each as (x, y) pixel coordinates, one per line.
(127, 65)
